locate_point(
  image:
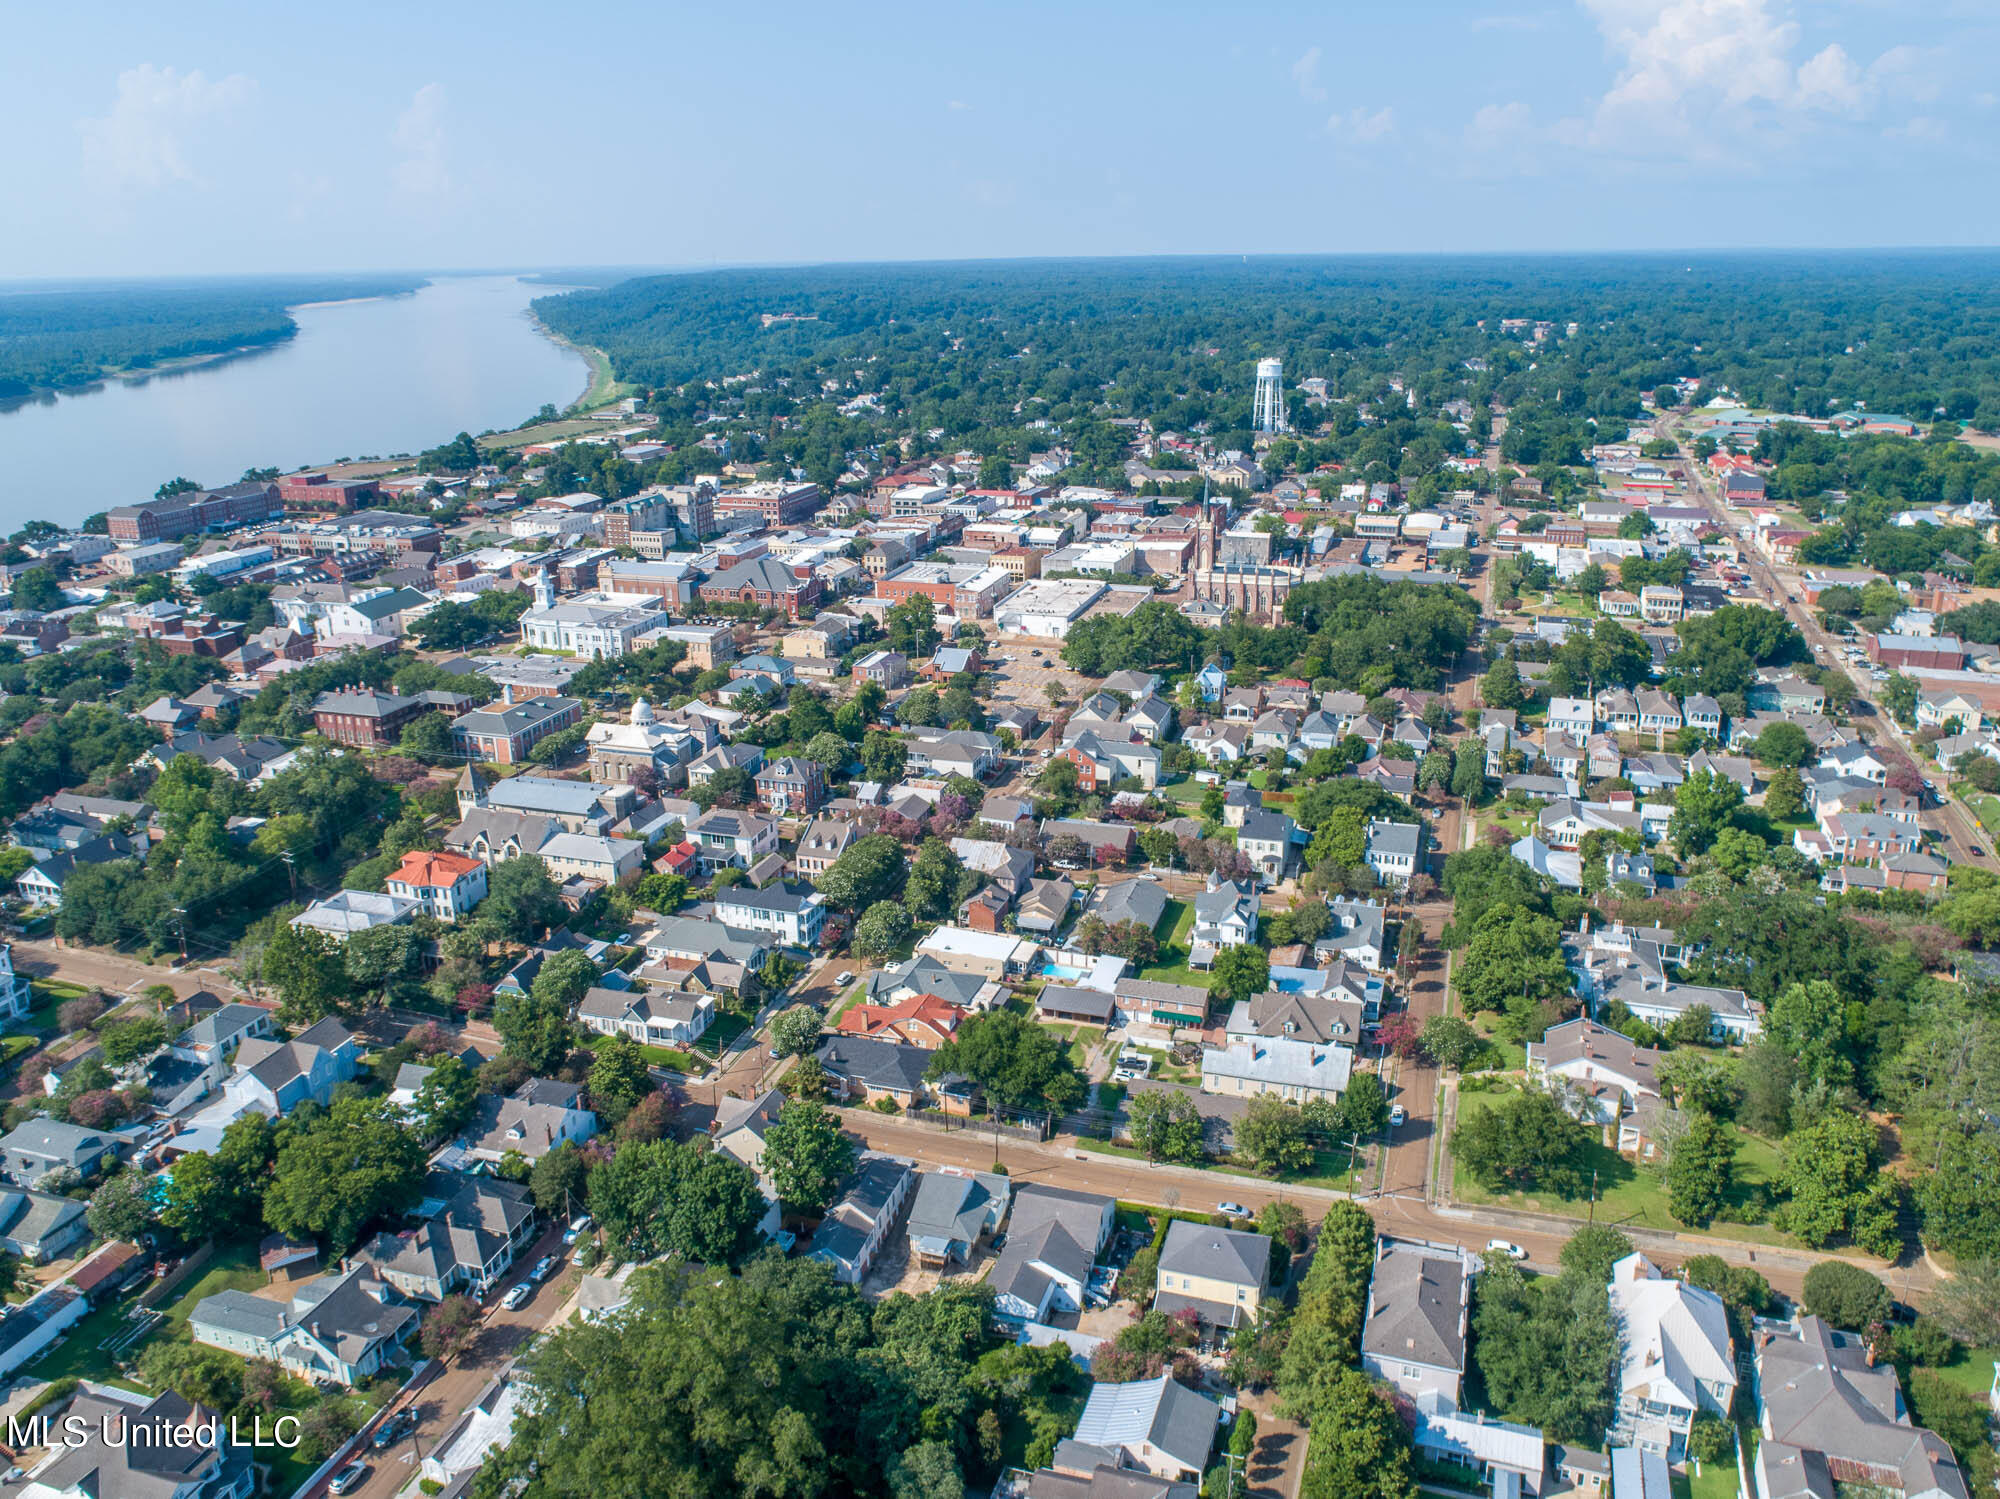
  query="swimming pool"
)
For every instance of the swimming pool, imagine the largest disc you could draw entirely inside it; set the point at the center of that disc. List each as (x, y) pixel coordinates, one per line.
(1058, 971)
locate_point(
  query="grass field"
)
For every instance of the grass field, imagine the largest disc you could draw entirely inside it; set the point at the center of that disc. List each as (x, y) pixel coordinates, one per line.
(1973, 1372)
(1634, 1194)
(671, 1058)
(726, 1027)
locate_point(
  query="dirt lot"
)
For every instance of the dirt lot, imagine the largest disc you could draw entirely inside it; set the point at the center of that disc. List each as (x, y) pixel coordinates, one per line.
(897, 1271)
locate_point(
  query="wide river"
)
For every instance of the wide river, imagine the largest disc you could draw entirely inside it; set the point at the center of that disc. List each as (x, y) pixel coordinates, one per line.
(393, 375)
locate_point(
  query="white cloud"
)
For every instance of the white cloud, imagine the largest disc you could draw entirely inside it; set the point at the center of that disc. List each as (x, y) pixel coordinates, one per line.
(419, 135)
(1919, 128)
(144, 140)
(1305, 73)
(1830, 80)
(958, 104)
(1362, 125)
(1985, 100)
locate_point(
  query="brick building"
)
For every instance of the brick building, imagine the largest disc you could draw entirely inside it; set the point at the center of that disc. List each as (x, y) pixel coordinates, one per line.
(362, 716)
(196, 510)
(779, 503)
(504, 735)
(766, 582)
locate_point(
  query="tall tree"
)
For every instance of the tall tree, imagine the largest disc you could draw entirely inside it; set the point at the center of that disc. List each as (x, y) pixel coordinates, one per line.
(807, 1156)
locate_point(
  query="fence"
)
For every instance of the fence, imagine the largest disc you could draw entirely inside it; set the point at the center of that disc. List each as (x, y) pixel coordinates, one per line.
(422, 1374)
(163, 1288)
(1032, 1132)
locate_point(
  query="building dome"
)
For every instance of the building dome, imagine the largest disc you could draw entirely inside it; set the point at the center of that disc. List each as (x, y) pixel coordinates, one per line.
(642, 711)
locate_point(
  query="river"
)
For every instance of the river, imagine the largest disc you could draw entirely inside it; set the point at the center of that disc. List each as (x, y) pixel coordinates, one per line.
(388, 375)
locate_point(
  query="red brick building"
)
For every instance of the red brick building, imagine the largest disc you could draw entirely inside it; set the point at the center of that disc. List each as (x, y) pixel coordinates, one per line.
(766, 582)
(779, 503)
(361, 716)
(323, 492)
(504, 735)
(196, 510)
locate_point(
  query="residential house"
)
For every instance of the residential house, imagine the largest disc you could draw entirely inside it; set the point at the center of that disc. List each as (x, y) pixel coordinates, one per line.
(1139, 902)
(1225, 915)
(134, 1446)
(1284, 1068)
(826, 838)
(1158, 1425)
(1219, 1274)
(447, 885)
(530, 1122)
(858, 1223)
(1675, 1357)
(1054, 1236)
(921, 1020)
(40, 1226)
(345, 912)
(952, 1213)
(793, 914)
(792, 786)
(1270, 841)
(650, 1016)
(276, 1077)
(588, 856)
(863, 1070)
(338, 1329)
(1830, 1413)
(1044, 907)
(35, 1147)
(1395, 850)
(467, 1242)
(1419, 1300)
(728, 838)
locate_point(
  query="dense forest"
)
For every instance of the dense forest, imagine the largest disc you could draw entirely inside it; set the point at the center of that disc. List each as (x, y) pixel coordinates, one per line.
(996, 354)
(50, 340)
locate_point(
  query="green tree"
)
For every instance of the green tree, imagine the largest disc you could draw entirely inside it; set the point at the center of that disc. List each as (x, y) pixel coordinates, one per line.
(122, 1208)
(1240, 972)
(1807, 1023)
(1784, 744)
(1784, 795)
(795, 1032)
(1834, 1190)
(1844, 1295)
(1018, 1063)
(881, 929)
(449, 1327)
(305, 967)
(1591, 1251)
(1468, 770)
(341, 1169)
(1514, 965)
(534, 1028)
(1501, 686)
(1364, 1107)
(1271, 1136)
(1700, 1171)
(522, 902)
(559, 1181)
(660, 1197)
(1525, 1140)
(1359, 1448)
(219, 1196)
(931, 889)
(807, 1156)
(1703, 807)
(1340, 841)
(619, 1077)
(830, 752)
(883, 756)
(126, 1041)
(1449, 1041)
(1547, 1350)
(1960, 1198)
(1166, 1126)
(444, 1100)
(869, 870)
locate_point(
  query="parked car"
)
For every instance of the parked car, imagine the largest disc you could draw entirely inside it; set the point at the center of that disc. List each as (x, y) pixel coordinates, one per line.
(393, 1430)
(544, 1268)
(519, 1296)
(1501, 1246)
(1398, 1116)
(577, 1227)
(348, 1479)
(846, 977)
(1234, 1209)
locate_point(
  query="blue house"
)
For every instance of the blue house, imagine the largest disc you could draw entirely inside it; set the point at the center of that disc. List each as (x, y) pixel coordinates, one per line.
(1211, 679)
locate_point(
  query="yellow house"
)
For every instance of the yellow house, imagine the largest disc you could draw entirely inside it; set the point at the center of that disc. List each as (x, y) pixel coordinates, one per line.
(1218, 1273)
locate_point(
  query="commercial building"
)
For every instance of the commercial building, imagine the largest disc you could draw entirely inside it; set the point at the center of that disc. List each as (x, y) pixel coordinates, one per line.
(777, 502)
(595, 626)
(504, 735)
(196, 510)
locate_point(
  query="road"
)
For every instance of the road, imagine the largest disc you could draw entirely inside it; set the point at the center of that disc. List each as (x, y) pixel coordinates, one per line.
(1949, 820)
(442, 1401)
(113, 972)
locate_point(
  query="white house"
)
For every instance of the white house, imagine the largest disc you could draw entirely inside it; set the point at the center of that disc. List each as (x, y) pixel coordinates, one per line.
(1675, 1356)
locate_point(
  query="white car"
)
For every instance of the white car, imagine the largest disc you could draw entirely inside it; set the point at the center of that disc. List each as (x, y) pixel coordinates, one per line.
(1501, 1246)
(1234, 1209)
(846, 977)
(519, 1296)
(1398, 1116)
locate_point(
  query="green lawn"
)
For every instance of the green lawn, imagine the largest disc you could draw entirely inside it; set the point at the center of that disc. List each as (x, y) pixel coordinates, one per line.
(661, 1056)
(1635, 1194)
(852, 998)
(1170, 967)
(725, 1028)
(1189, 792)
(1984, 807)
(233, 1269)
(1081, 1038)
(1167, 1070)
(1973, 1371)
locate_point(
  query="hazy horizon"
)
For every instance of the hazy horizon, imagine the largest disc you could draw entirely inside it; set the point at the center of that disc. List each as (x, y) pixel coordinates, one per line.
(239, 141)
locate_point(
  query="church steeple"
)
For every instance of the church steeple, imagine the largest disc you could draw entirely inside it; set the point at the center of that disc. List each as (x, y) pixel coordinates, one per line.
(471, 790)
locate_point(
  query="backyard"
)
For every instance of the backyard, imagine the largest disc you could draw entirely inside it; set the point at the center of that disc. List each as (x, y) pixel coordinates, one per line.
(1171, 966)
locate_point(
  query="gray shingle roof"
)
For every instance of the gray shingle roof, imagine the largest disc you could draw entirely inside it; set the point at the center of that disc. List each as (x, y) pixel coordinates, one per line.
(1225, 1254)
(1416, 1308)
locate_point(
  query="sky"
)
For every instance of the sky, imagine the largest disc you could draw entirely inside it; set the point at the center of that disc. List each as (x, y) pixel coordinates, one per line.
(211, 138)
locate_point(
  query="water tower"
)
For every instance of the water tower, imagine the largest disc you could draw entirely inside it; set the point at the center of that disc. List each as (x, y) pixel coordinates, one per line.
(1268, 413)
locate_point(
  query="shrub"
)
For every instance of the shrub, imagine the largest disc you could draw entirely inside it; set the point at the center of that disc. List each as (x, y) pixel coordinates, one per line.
(1710, 1438)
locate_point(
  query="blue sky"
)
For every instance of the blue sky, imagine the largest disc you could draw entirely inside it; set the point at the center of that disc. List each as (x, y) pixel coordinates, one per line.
(237, 138)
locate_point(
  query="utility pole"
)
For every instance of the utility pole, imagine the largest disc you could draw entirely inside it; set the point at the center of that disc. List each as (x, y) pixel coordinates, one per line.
(180, 929)
(291, 868)
(1593, 1197)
